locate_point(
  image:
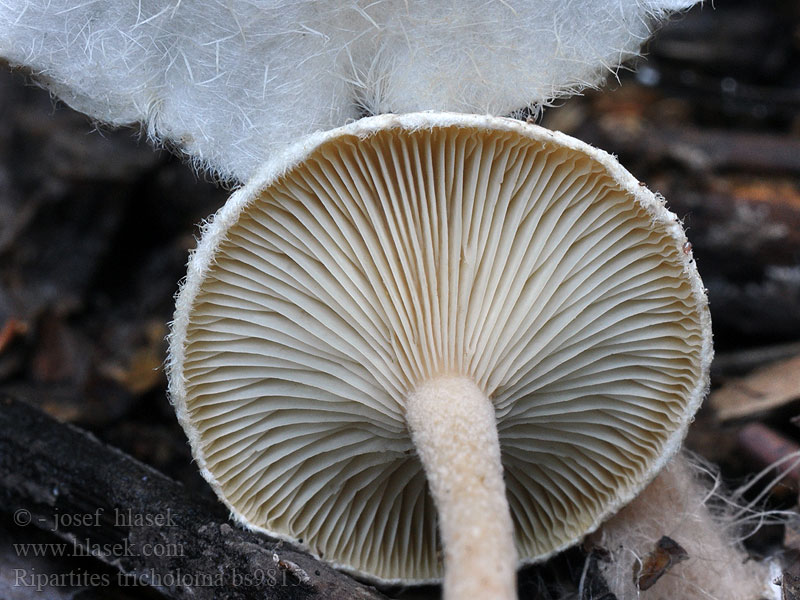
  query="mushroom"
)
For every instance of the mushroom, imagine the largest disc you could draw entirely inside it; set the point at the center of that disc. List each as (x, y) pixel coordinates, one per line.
(438, 333)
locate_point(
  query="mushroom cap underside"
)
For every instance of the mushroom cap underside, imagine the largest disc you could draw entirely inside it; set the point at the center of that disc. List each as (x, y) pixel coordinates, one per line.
(374, 257)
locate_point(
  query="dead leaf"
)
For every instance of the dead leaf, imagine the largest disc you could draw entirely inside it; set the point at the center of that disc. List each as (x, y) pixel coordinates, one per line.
(666, 555)
(12, 329)
(143, 371)
(765, 390)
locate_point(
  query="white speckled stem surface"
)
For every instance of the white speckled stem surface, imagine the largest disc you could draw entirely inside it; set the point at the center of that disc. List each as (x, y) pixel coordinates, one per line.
(453, 426)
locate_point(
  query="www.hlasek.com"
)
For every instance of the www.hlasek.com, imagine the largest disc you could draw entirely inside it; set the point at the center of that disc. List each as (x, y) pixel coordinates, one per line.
(30, 578)
(86, 547)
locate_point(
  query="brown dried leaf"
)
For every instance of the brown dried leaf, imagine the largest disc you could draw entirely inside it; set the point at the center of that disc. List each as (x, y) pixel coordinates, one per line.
(10, 330)
(765, 390)
(666, 555)
(143, 371)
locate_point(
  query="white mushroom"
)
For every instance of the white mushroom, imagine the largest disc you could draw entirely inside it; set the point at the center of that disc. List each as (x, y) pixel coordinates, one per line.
(438, 313)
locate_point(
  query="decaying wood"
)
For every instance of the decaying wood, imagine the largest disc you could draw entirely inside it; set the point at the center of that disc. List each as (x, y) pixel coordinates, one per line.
(60, 479)
(708, 149)
(790, 586)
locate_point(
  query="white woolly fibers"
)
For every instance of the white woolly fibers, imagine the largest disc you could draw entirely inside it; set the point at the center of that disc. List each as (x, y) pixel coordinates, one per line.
(684, 502)
(231, 82)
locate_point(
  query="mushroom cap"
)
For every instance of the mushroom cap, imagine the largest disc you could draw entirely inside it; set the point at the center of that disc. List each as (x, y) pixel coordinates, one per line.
(371, 258)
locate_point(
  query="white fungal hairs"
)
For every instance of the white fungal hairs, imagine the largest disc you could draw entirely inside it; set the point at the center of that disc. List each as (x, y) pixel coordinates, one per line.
(686, 503)
(231, 82)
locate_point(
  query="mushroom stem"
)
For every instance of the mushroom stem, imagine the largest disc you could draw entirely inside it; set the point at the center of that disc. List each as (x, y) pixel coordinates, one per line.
(452, 423)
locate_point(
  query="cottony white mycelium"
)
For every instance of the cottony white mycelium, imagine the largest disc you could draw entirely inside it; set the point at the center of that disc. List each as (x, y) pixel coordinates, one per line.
(396, 270)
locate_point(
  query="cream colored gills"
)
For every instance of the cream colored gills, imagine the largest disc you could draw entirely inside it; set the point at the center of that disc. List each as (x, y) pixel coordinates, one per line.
(466, 284)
